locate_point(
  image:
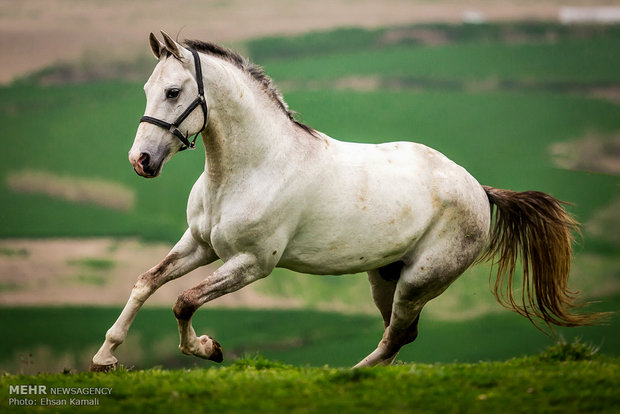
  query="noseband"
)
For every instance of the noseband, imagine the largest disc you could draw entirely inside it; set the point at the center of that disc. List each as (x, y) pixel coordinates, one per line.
(200, 100)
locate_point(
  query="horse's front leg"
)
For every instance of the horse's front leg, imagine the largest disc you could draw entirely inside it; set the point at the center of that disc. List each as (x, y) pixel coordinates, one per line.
(184, 257)
(236, 273)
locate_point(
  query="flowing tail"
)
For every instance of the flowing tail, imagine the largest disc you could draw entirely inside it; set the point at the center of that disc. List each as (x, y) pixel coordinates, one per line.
(534, 226)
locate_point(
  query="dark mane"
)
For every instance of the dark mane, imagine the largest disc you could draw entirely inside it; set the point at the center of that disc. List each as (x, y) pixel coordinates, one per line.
(255, 71)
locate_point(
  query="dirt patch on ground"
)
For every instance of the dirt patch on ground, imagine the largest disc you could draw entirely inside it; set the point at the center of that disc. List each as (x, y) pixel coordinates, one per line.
(595, 152)
(610, 93)
(35, 34)
(78, 190)
(412, 83)
(99, 272)
(605, 223)
(424, 36)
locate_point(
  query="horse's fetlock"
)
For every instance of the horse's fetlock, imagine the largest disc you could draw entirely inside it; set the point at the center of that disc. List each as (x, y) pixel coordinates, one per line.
(187, 350)
(114, 336)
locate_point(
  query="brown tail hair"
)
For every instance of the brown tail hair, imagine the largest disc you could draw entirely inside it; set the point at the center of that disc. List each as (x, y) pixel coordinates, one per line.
(534, 226)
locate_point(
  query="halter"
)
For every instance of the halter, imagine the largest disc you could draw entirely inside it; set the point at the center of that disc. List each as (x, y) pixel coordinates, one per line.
(200, 100)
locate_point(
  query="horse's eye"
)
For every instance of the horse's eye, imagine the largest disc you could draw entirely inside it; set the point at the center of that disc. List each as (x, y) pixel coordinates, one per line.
(172, 93)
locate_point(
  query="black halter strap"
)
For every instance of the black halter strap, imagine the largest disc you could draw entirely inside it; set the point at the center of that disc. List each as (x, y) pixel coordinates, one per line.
(199, 101)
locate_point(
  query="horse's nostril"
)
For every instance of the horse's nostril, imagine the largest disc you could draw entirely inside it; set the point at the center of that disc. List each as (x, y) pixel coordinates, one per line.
(144, 159)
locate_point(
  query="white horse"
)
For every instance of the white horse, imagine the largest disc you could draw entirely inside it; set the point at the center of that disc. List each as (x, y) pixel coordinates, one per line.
(277, 193)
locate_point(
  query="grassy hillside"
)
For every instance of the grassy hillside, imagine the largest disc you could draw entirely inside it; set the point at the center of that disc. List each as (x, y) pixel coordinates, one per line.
(51, 339)
(525, 385)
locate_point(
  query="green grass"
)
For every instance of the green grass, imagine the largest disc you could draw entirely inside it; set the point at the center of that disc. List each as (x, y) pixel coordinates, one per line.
(85, 131)
(9, 287)
(344, 40)
(91, 279)
(94, 263)
(8, 252)
(523, 385)
(51, 339)
(575, 61)
(521, 51)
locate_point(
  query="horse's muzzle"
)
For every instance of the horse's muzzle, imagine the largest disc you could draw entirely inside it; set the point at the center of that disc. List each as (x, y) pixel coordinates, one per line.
(144, 166)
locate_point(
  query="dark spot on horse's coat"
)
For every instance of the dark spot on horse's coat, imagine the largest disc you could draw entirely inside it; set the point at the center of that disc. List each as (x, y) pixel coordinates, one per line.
(435, 200)
(362, 258)
(274, 252)
(184, 307)
(392, 271)
(168, 261)
(406, 211)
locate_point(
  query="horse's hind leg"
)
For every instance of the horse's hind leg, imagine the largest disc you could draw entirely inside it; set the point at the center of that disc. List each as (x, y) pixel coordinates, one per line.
(427, 276)
(382, 286)
(186, 256)
(402, 321)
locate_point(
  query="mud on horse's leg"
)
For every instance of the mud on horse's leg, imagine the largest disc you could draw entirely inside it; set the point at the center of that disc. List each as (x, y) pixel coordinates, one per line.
(236, 273)
(186, 256)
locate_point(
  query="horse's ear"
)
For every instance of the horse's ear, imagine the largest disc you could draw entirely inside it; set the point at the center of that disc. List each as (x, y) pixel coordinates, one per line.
(156, 46)
(172, 46)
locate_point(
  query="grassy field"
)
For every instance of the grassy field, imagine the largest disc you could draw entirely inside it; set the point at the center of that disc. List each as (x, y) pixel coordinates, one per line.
(554, 382)
(52, 339)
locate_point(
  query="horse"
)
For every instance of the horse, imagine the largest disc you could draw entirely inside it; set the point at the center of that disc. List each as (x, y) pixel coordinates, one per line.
(277, 193)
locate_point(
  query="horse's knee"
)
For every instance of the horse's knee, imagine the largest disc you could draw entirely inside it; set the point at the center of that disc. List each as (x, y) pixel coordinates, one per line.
(185, 306)
(151, 280)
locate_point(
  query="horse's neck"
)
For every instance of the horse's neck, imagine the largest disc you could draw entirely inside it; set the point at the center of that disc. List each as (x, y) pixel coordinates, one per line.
(244, 131)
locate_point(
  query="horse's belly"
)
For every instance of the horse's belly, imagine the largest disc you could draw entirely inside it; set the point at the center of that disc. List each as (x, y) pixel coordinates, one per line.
(359, 238)
(335, 259)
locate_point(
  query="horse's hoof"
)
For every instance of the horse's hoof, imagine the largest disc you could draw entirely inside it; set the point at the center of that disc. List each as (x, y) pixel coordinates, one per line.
(217, 355)
(102, 368)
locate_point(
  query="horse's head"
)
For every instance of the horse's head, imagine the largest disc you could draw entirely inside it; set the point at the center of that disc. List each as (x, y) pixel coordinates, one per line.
(174, 98)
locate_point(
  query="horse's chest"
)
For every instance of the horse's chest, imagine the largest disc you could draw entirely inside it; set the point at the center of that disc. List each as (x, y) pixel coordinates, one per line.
(241, 230)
